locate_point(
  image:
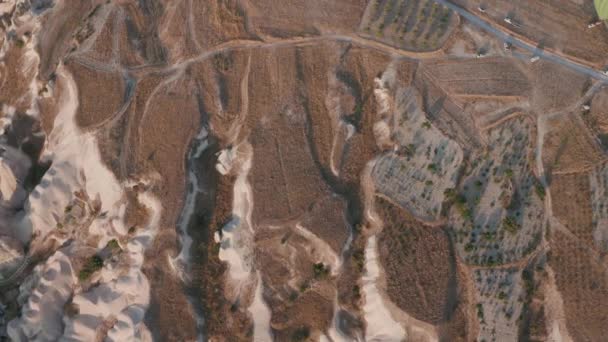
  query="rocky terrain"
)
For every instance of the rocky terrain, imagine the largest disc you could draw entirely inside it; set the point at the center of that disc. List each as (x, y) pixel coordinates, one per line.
(238, 170)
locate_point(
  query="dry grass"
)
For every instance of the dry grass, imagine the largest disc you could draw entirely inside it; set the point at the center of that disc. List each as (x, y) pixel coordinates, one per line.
(100, 94)
(102, 49)
(582, 280)
(571, 199)
(297, 18)
(57, 32)
(407, 251)
(487, 77)
(569, 147)
(555, 87)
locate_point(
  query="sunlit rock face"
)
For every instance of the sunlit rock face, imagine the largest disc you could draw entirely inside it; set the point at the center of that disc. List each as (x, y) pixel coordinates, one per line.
(11, 254)
(14, 166)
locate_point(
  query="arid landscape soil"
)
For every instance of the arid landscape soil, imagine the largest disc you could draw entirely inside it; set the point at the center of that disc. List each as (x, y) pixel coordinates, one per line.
(321, 170)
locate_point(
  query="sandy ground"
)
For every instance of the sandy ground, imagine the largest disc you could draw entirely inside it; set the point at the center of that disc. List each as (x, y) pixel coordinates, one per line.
(119, 295)
(380, 324)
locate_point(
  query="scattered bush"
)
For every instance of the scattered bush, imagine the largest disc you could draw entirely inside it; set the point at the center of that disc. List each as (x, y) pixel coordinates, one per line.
(320, 270)
(113, 244)
(93, 264)
(359, 259)
(480, 311)
(540, 190)
(300, 334)
(510, 225)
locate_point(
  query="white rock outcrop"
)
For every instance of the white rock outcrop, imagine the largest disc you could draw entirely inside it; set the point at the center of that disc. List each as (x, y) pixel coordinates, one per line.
(14, 167)
(11, 254)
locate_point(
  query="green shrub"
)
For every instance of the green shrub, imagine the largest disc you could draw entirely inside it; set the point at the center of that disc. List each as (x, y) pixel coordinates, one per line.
(320, 270)
(540, 190)
(113, 244)
(300, 334)
(359, 259)
(93, 264)
(510, 225)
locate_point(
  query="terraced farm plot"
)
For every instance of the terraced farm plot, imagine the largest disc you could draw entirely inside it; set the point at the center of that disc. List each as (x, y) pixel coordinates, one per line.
(445, 113)
(426, 164)
(418, 25)
(487, 77)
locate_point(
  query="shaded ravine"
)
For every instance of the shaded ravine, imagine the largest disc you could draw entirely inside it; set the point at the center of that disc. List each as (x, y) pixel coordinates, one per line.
(203, 213)
(350, 192)
(182, 263)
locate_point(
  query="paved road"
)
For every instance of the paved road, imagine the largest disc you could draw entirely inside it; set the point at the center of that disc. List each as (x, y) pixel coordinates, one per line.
(555, 58)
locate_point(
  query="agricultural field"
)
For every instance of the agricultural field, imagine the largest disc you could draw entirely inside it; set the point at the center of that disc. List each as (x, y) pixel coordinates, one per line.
(484, 78)
(569, 146)
(598, 184)
(581, 278)
(420, 25)
(406, 248)
(597, 117)
(425, 164)
(446, 113)
(498, 210)
(500, 294)
(573, 197)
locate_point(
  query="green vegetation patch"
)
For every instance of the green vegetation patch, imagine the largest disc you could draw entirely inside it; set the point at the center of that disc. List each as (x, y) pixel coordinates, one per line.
(93, 264)
(601, 6)
(113, 245)
(320, 270)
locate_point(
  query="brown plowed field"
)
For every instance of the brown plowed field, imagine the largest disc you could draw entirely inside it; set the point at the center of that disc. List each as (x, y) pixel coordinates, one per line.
(408, 249)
